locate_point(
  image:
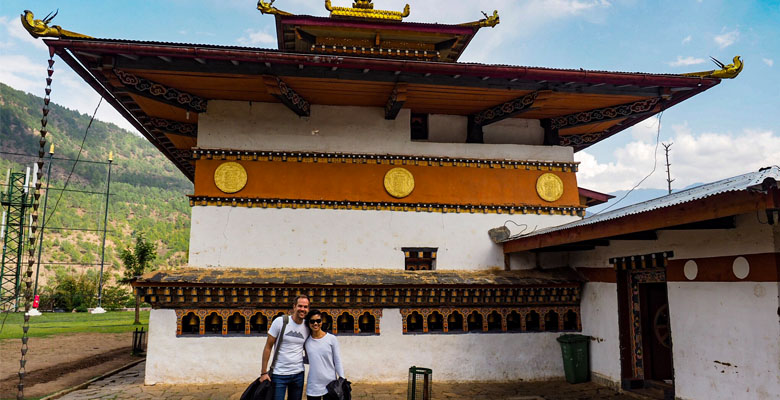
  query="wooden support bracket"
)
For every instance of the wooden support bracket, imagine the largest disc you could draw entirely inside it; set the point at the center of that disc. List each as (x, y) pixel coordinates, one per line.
(289, 97)
(396, 100)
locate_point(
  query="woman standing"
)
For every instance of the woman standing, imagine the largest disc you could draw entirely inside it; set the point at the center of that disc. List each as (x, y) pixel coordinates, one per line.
(322, 348)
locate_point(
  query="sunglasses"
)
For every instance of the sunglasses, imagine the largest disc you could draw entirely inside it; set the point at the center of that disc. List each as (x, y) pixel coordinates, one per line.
(315, 321)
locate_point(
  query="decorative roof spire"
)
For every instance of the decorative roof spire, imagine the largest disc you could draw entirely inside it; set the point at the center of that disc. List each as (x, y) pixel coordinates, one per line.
(40, 27)
(729, 71)
(365, 9)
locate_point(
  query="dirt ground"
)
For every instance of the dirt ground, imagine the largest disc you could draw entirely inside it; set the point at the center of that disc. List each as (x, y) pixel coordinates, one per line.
(59, 362)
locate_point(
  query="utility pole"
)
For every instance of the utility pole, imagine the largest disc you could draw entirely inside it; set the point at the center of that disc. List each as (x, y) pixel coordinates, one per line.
(99, 309)
(669, 179)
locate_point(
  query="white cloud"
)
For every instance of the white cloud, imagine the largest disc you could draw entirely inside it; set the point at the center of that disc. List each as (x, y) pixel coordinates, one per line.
(768, 61)
(686, 61)
(687, 39)
(695, 158)
(16, 34)
(255, 37)
(726, 39)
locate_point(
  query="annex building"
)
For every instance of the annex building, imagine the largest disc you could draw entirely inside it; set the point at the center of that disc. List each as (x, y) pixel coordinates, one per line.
(361, 164)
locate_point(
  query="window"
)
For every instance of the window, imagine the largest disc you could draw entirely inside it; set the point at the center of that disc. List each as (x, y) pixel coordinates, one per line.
(419, 258)
(419, 125)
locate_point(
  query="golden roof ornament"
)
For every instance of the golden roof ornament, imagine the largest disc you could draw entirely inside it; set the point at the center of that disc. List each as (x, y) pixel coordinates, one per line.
(488, 21)
(266, 7)
(40, 27)
(365, 9)
(729, 71)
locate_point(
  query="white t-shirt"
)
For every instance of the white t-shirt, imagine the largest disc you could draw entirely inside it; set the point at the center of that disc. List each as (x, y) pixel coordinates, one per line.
(324, 364)
(290, 360)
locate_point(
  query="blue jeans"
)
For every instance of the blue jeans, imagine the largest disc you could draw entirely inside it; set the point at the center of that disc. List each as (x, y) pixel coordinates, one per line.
(292, 384)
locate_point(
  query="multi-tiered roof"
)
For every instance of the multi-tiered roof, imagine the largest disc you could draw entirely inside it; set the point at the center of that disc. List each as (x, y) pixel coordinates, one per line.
(360, 56)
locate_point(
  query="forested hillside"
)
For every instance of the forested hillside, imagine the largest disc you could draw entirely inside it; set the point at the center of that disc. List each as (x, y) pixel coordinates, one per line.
(148, 194)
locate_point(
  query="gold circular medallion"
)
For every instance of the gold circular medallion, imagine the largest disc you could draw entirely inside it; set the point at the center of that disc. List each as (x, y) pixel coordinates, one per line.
(549, 187)
(399, 182)
(230, 177)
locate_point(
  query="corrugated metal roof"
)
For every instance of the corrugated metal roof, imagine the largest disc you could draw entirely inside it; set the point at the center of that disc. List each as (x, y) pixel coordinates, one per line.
(749, 181)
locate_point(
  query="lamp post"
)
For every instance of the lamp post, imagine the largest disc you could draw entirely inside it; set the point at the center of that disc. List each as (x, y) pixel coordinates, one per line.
(99, 309)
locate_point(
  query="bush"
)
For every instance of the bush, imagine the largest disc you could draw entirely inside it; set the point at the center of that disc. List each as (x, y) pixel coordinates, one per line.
(70, 290)
(116, 297)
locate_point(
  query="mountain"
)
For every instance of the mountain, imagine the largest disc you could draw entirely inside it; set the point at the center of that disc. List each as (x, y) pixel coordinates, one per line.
(148, 194)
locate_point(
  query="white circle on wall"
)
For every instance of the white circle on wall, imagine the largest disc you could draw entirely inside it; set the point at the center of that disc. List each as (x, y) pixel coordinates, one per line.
(741, 267)
(691, 269)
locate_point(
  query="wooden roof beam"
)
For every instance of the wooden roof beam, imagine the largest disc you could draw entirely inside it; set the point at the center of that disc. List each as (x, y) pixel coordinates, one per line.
(509, 109)
(606, 114)
(162, 93)
(396, 101)
(175, 127)
(289, 97)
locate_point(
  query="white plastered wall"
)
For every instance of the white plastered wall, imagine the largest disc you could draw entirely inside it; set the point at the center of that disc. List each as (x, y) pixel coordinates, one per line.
(271, 237)
(453, 357)
(732, 323)
(341, 129)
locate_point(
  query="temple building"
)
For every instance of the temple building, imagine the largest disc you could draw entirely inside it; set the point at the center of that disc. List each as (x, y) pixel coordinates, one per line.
(362, 165)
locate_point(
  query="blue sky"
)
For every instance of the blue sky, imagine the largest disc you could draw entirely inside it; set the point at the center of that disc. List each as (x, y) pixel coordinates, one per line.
(731, 129)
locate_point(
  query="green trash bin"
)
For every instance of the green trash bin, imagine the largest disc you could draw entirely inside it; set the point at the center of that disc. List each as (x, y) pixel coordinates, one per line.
(574, 349)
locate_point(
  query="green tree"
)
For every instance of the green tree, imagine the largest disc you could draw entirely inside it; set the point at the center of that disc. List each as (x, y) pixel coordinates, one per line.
(137, 261)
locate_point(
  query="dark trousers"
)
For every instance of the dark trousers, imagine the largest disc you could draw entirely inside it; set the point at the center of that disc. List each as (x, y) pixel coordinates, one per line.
(315, 397)
(292, 384)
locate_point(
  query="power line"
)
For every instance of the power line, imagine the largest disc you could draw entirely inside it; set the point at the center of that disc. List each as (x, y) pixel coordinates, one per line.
(655, 165)
(54, 158)
(78, 157)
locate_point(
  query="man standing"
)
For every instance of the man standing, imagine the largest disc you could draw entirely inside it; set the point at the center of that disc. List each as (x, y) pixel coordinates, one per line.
(287, 375)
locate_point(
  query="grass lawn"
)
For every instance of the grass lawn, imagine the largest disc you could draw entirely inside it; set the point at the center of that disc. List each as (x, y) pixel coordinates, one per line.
(56, 323)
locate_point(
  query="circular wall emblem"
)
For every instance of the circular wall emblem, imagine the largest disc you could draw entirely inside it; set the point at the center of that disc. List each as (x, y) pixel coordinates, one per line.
(230, 177)
(549, 187)
(399, 182)
(741, 267)
(691, 269)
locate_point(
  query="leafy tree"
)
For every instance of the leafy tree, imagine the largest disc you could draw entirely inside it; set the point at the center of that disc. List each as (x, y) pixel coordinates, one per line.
(137, 261)
(70, 290)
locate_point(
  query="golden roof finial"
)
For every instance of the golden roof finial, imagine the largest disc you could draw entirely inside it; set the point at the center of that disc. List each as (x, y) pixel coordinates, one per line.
(40, 27)
(365, 9)
(725, 72)
(488, 21)
(266, 7)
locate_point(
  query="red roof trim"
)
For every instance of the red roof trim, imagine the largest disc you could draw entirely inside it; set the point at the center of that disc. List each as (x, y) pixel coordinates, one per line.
(592, 194)
(464, 69)
(401, 26)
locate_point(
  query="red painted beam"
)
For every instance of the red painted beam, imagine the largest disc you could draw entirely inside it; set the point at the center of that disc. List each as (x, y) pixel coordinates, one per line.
(718, 206)
(422, 67)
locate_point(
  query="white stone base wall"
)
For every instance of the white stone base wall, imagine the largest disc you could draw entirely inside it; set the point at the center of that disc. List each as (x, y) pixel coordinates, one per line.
(725, 340)
(313, 238)
(599, 315)
(383, 358)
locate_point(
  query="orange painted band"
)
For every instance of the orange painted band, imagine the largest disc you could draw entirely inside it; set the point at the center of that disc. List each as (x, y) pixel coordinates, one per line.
(365, 183)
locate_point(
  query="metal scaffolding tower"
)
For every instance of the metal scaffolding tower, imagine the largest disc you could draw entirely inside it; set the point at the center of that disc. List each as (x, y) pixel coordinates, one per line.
(15, 202)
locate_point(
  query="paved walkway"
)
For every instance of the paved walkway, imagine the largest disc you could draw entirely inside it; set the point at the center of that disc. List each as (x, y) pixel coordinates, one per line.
(128, 385)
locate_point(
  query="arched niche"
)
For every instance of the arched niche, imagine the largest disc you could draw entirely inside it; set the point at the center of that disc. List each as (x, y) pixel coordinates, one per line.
(474, 322)
(346, 323)
(570, 321)
(213, 324)
(236, 323)
(514, 322)
(495, 322)
(532, 322)
(551, 321)
(367, 323)
(414, 322)
(258, 324)
(455, 322)
(435, 322)
(190, 324)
